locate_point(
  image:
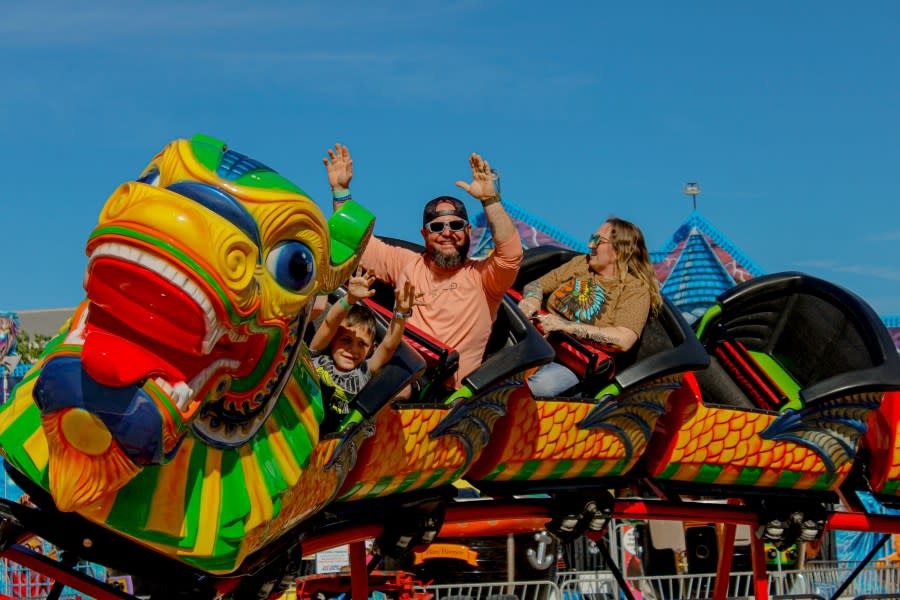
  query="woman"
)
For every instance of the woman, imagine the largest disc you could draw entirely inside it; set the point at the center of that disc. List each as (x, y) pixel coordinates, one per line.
(604, 297)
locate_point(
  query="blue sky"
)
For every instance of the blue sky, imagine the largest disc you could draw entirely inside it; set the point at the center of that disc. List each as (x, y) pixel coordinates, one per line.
(787, 113)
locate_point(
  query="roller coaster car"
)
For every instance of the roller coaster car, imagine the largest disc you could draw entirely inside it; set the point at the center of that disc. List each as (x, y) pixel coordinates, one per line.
(797, 366)
(599, 429)
(416, 446)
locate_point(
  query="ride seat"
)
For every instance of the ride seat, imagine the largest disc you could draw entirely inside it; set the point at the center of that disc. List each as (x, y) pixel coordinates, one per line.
(789, 340)
(757, 385)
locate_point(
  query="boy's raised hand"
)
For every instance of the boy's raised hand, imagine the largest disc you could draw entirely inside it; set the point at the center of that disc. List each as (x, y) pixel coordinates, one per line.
(405, 298)
(360, 286)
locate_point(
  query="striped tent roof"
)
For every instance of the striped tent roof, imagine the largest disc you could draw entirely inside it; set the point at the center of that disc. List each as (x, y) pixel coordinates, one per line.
(893, 325)
(698, 263)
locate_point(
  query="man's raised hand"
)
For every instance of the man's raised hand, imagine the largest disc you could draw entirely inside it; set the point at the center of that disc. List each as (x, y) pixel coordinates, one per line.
(339, 166)
(482, 186)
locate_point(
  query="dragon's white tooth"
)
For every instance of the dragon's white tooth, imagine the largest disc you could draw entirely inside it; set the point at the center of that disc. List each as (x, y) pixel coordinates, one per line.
(202, 301)
(163, 385)
(182, 394)
(212, 338)
(235, 336)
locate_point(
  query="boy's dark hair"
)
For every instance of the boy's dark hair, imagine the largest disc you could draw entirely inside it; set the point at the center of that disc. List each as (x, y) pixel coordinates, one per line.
(360, 314)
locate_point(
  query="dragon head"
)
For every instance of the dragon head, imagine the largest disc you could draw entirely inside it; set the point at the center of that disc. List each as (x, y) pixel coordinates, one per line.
(199, 280)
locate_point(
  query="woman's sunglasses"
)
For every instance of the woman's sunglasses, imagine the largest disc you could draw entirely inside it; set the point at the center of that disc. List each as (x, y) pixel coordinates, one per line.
(439, 226)
(596, 240)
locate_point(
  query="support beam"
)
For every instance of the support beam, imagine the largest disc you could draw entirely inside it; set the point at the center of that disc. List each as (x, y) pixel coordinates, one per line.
(723, 569)
(359, 573)
(760, 578)
(862, 565)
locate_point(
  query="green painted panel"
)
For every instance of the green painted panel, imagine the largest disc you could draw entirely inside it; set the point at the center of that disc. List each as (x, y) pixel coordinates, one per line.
(748, 476)
(788, 478)
(781, 377)
(562, 468)
(528, 469)
(131, 508)
(235, 503)
(708, 473)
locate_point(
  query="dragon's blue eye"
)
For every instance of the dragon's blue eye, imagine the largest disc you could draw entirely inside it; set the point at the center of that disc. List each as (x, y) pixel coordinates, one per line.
(292, 265)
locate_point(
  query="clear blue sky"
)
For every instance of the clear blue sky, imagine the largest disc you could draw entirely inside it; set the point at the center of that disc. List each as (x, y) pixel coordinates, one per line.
(787, 113)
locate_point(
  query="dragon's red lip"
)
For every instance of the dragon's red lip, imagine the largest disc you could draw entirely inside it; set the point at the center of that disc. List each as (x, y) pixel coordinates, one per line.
(147, 304)
(148, 320)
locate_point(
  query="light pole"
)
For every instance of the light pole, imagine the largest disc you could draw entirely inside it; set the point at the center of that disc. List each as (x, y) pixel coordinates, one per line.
(692, 189)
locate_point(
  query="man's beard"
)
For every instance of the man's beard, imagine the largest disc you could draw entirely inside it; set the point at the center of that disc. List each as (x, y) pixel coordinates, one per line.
(450, 261)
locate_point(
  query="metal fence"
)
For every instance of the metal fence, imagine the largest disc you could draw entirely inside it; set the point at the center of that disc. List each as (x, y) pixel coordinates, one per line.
(817, 580)
(518, 590)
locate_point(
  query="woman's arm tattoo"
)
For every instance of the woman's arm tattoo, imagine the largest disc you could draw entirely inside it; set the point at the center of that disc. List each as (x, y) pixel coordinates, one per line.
(533, 290)
(595, 334)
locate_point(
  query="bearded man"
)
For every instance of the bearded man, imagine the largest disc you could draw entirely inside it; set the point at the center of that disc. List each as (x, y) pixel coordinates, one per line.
(458, 297)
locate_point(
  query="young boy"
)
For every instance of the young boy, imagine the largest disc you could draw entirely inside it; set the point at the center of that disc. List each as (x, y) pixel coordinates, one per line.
(342, 347)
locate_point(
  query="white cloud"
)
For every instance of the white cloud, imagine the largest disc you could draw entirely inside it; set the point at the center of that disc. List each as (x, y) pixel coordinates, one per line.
(39, 24)
(885, 236)
(886, 272)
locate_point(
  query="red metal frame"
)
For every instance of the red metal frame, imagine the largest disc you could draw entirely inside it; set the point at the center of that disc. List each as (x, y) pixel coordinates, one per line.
(530, 511)
(59, 573)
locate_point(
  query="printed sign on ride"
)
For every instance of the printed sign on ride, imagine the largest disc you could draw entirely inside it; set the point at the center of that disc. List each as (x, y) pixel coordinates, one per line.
(454, 551)
(333, 559)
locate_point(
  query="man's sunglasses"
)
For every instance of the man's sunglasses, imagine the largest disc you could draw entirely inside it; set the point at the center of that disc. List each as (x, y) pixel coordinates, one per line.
(439, 226)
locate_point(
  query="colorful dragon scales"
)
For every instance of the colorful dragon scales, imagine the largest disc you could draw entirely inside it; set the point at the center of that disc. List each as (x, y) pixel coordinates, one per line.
(179, 406)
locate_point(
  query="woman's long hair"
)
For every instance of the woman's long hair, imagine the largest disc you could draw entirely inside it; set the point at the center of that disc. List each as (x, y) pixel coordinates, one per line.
(632, 257)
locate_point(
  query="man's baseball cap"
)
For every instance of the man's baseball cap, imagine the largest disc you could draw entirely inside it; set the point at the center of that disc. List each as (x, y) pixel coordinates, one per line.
(431, 212)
